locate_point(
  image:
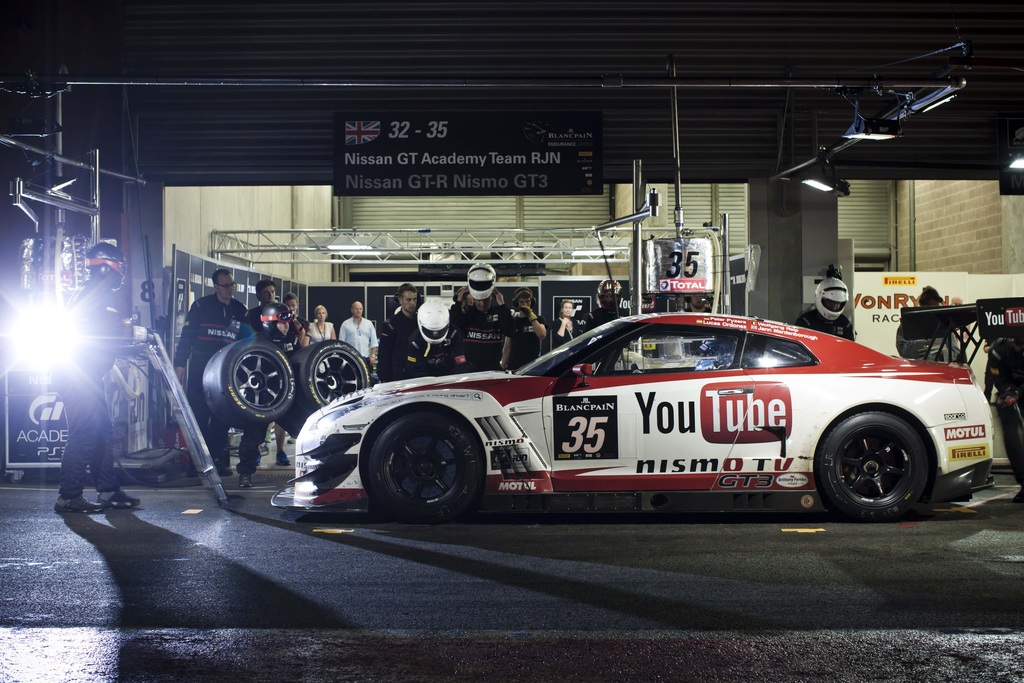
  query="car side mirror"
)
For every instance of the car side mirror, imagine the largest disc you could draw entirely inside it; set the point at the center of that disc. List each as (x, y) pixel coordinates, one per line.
(583, 370)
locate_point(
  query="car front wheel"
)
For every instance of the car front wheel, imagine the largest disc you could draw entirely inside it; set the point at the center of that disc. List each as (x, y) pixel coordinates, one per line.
(425, 468)
(872, 467)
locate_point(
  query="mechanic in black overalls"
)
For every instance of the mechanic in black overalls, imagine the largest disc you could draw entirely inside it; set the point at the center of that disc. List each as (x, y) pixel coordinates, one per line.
(1006, 363)
(480, 313)
(436, 348)
(276, 327)
(608, 304)
(395, 333)
(100, 331)
(213, 322)
(528, 331)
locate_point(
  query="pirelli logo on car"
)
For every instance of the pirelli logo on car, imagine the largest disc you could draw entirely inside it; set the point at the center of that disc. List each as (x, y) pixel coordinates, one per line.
(961, 433)
(960, 453)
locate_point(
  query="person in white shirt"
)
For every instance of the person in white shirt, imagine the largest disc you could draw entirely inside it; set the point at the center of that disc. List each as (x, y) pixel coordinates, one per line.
(321, 330)
(359, 332)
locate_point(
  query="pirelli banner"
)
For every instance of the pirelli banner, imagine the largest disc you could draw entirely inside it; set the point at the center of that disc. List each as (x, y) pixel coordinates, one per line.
(467, 153)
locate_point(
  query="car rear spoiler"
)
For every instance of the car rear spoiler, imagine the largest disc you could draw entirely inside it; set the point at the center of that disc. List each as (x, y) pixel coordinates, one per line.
(969, 325)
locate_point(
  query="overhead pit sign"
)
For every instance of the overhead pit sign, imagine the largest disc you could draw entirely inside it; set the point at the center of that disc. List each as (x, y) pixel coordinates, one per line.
(467, 153)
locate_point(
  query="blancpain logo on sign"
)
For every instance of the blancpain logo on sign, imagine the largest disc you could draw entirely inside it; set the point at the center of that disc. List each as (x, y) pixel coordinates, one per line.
(970, 432)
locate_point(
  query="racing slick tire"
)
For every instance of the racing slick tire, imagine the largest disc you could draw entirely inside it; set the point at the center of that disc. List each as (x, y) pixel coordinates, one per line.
(872, 467)
(325, 371)
(425, 469)
(249, 382)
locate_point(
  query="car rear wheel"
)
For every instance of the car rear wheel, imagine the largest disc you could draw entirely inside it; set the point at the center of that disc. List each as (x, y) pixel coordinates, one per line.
(425, 468)
(872, 467)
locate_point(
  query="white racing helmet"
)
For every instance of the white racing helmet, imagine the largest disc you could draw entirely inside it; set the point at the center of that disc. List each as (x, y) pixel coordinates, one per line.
(481, 280)
(432, 319)
(830, 297)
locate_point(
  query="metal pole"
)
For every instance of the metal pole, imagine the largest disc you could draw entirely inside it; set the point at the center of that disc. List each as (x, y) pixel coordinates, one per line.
(197, 447)
(94, 187)
(675, 150)
(636, 261)
(726, 306)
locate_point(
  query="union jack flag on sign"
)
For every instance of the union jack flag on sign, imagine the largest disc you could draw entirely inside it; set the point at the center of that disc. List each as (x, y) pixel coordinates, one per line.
(359, 132)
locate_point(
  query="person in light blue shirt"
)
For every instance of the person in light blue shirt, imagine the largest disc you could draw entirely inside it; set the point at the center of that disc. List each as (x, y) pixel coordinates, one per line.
(360, 333)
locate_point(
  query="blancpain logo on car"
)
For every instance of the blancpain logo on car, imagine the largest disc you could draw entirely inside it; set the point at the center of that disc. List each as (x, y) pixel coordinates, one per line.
(791, 480)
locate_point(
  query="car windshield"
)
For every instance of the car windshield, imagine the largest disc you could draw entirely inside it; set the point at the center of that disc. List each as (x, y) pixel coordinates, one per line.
(557, 358)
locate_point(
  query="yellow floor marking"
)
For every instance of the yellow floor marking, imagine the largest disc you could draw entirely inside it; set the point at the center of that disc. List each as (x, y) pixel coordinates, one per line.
(193, 511)
(801, 531)
(965, 510)
(333, 531)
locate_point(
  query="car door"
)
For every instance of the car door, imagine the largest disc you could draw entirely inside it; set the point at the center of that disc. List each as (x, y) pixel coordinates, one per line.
(761, 412)
(641, 420)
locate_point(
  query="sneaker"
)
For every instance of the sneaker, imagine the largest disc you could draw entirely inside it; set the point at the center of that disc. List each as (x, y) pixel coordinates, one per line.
(282, 459)
(245, 481)
(79, 504)
(118, 499)
(1019, 498)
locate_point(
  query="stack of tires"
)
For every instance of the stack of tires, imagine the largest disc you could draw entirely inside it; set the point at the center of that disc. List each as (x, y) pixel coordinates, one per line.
(253, 382)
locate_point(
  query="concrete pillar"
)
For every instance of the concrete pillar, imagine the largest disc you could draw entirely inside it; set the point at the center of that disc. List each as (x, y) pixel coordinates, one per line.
(797, 229)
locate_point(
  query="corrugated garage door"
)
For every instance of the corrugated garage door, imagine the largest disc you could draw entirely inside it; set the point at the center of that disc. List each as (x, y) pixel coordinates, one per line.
(868, 217)
(464, 213)
(705, 203)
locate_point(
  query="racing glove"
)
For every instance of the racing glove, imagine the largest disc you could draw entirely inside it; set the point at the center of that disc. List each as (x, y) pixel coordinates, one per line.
(1007, 398)
(528, 313)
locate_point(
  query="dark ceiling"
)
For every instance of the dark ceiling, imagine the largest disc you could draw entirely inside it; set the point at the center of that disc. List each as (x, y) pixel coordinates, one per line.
(290, 65)
(284, 134)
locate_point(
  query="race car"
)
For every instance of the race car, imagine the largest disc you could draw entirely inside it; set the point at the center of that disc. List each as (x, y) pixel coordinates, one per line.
(661, 412)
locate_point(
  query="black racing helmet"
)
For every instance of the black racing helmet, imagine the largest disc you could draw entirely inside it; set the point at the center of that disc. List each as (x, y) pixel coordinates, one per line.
(274, 313)
(105, 261)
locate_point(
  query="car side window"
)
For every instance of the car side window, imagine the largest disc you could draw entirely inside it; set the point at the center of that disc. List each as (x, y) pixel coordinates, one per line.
(772, 352)
(672, 350)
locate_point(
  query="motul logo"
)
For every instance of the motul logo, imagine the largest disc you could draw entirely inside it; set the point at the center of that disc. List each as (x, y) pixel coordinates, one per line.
(970, 432)
(745, 412)
(517, 486)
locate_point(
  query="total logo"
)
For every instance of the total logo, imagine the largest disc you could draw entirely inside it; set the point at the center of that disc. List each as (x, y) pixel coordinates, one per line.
(743, 412)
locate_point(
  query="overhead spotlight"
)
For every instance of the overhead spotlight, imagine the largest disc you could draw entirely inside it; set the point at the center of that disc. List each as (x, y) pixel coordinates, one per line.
(938, 102)
(873, 129)
(822, 176)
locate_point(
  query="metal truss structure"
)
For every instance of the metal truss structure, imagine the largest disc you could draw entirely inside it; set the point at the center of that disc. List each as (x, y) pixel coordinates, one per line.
(407, 246)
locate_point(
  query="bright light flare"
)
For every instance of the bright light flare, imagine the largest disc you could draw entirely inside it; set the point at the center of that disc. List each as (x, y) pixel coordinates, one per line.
(40, 337)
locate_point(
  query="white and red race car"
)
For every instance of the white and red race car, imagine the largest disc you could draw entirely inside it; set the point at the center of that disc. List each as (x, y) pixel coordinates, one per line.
(661, 412)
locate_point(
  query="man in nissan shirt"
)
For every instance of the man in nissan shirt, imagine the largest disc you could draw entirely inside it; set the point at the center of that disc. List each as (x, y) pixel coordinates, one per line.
(213, 322)
(480, 312)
